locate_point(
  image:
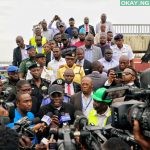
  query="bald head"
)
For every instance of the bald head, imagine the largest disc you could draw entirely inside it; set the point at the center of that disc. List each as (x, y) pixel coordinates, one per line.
(20, 41)
(86, 85)
(97, 66)
(103, 18)
(124, 58)
(69, 76)
(86, 20)
(123, 62)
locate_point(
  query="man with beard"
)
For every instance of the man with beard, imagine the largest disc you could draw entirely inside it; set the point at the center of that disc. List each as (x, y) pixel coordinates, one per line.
(81, 35)
(101, 114)
(39, 85)
(10, 85)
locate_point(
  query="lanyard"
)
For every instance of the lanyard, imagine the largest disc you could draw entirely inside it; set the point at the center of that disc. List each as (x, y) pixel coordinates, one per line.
(86, 105)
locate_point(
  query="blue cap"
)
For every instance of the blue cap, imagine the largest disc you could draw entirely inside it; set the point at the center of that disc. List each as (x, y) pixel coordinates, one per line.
(118, 36)
(12, 69)
(82, 31)
(29, 47)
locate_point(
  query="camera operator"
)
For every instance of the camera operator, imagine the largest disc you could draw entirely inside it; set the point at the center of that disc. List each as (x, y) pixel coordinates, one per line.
(24, 105)
(101, 114)
(141, 140)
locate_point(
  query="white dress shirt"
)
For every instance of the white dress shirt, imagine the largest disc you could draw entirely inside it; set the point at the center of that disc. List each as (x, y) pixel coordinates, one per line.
(71, 88)
(108, 64)
(87, 104)
(24, 53)
(54, 65)
(125, 50)
(81, 62)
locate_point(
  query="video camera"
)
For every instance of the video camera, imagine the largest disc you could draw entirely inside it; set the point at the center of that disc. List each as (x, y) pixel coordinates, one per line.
(9, 106)
(123, 113)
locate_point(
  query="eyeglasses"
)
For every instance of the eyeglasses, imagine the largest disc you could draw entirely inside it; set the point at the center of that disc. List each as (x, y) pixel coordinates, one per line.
(113, 74)
(109, 53)
(127, 73)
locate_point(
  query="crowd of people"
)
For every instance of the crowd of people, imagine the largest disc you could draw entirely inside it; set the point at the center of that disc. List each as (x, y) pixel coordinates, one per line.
(67, 69)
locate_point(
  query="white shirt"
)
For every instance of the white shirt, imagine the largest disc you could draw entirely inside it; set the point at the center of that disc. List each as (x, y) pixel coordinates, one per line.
(54, 65)
(102, 117)
(81, 62)
(109, 27)
(48, 34)
(108, 64)
(125, 50)
(71, 88)
(24, 53)
(87, 104)
(46, 74)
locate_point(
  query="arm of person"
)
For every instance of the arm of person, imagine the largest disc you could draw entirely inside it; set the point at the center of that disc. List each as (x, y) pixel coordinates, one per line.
(22, 70)
(141, 140)
(14, 58)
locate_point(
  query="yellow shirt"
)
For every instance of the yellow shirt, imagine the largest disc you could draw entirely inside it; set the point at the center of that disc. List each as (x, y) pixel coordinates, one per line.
(78, 71)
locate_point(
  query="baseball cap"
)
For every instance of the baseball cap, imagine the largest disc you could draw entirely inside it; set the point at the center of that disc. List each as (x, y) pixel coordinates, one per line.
(29, 47)
(55, 89)
(99, 94)
(118, 36)
(34, 65)
(12, 69)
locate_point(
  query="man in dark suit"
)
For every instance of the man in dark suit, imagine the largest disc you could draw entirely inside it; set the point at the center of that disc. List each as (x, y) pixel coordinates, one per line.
(88, 28)
(83, 62)
(83, 100)
(19, 53)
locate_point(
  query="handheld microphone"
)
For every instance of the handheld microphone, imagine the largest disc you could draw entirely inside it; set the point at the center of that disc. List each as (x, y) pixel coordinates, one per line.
(65, 118)
(46, 119)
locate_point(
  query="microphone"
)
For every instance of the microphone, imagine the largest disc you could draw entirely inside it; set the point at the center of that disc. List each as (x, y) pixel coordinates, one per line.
(64, 118)
(46, 119)
(80, 120)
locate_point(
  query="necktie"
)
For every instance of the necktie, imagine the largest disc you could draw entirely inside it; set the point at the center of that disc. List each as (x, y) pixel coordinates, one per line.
(86, 26)
(69, 89)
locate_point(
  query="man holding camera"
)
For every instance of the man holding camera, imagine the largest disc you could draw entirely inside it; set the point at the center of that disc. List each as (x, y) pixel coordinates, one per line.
(101, 114)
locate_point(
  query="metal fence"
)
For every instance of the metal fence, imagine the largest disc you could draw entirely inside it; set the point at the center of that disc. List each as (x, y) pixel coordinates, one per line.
(132, 28)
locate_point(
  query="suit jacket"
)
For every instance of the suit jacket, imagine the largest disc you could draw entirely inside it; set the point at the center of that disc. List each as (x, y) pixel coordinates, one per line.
(96, 52)
(91, 29)
(87, 66)
(77, 87)
(17, 57)
(76, 101)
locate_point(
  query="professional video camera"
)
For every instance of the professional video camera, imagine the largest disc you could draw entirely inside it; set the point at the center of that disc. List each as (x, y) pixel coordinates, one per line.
(123, 113)
(23, 127)
(9, 107)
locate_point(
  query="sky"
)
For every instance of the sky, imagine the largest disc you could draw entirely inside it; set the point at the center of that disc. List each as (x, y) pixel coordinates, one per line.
(17, 17)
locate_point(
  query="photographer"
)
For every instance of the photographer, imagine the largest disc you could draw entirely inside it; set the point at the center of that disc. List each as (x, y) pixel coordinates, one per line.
(101, 114)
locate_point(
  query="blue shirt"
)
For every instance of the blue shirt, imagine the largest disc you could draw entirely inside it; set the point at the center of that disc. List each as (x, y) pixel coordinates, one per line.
(18, 116)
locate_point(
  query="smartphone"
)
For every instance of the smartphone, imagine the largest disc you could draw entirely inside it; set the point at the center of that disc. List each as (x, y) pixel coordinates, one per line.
(119, 75)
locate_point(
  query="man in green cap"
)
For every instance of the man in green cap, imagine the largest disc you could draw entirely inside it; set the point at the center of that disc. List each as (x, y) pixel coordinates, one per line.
(101, 114)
